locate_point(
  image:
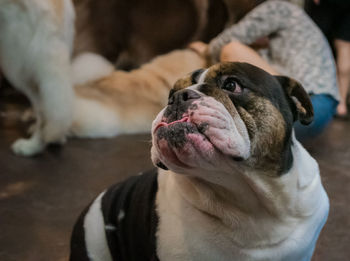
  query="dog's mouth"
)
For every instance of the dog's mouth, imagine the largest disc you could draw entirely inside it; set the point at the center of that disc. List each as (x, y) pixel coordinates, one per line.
(165, 124)
(176, 123)
(176, 132)
(178, 140)
(199, 136)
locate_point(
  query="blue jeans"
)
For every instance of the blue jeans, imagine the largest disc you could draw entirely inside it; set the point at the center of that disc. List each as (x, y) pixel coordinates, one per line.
(324, 110)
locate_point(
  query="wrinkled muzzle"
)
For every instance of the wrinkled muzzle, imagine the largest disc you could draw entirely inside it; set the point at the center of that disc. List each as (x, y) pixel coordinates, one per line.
(195, 130)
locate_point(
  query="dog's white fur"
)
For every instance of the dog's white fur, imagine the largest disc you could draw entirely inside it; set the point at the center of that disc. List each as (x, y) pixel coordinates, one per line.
(35, 48)
(288, 216)
(95, 119)
(88, 67)
(96, 241)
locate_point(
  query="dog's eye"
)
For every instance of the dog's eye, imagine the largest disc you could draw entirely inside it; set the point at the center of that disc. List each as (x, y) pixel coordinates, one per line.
(230, 84)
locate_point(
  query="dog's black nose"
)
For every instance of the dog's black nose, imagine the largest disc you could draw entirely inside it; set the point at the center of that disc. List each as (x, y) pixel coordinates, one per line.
(182, 96)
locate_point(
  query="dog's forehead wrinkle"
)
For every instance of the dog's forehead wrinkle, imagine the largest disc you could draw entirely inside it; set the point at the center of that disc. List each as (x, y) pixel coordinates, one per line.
(182, 83)
(195, 87)
(230, 69)
(196, 74)
(203, 76)
(249, 78)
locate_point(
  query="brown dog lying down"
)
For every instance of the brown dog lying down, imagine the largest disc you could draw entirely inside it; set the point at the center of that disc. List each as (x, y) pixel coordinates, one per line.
(127, 102)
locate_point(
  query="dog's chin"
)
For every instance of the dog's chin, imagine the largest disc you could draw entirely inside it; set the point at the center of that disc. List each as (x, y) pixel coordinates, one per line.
(181, 145)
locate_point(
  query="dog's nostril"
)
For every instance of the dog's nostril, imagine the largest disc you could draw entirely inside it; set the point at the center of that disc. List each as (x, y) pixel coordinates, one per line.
(192, 95)
(186, 95)
(183, 96)
(171, 100)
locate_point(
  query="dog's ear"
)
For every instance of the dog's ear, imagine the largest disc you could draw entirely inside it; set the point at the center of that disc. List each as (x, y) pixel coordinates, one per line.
(298, 99)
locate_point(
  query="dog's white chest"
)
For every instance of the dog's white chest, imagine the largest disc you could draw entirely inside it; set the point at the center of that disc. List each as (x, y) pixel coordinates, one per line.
(186, 234)
(198, 240)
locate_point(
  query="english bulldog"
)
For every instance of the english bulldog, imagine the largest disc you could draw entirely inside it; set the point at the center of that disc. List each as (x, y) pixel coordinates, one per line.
(233, 183)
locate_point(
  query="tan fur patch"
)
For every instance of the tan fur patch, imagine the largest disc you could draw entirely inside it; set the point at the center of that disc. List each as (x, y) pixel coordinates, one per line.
(183, 83)
(219, 69)
(58, 6)
(141, 93)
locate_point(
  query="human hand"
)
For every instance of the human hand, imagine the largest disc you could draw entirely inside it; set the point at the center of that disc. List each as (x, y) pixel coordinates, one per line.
(199, 47)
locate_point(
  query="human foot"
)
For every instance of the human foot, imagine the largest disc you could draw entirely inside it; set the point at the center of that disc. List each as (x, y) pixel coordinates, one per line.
(342, 110)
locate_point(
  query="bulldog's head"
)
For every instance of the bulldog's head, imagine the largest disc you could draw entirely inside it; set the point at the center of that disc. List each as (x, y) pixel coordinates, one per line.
(232, 115)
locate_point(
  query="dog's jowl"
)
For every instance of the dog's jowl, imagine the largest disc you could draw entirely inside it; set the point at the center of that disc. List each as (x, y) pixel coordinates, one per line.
(233, 183)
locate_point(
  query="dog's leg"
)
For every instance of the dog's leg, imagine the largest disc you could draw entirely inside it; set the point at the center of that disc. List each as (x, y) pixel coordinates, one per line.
(52, 100)
(29, 147)
(56, 93)
(28, 116)
(35, 144)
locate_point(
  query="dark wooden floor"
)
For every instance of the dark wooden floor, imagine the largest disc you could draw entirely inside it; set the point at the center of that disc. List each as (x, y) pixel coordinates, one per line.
(41, 197)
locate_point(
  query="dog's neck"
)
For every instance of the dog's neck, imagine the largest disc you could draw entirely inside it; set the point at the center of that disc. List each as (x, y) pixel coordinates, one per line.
(255, 196)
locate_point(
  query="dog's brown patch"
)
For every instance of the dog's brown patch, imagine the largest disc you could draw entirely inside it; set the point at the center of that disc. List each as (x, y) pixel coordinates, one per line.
(267, 130)
(182, 83)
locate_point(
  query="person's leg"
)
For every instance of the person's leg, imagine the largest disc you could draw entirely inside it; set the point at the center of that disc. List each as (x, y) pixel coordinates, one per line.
(324, 108)
(343, 72)
(238, 52)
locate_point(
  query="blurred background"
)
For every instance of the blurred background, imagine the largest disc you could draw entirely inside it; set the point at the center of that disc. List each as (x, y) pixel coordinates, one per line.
(41, 196)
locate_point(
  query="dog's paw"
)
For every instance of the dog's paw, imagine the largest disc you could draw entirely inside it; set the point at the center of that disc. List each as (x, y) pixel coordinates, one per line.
(27, 147)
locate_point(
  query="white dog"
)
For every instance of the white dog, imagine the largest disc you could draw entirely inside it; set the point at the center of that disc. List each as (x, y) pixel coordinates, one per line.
(35, 47)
